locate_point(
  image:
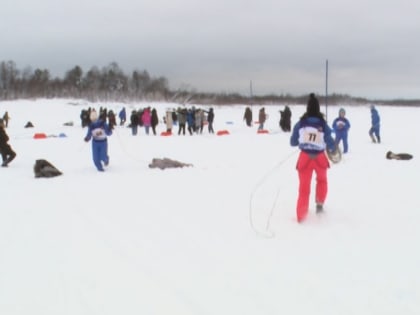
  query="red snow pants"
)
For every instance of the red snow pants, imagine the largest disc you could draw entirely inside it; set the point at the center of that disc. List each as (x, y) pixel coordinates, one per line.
(305, 166)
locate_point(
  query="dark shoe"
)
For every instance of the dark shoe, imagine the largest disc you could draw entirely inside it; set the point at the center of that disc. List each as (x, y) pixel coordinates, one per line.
(373, 139)
(4, 164)
(319, 208)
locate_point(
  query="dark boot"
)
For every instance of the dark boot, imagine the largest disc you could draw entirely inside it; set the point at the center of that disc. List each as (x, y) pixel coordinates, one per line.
(373, 138)
(319, 208)
(9, 159)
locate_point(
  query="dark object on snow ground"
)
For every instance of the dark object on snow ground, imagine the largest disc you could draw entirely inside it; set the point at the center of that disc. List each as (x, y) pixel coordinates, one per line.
(167, 163)
(43, 168)
(398, 156)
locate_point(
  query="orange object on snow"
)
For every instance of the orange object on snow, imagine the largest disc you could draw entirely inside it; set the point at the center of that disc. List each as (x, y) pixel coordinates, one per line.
(40, 136)
(166, 133)
(222, 132)
(262, 131)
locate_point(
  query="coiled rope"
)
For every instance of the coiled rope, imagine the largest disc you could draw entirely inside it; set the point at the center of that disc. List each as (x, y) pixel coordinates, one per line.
(267, 233)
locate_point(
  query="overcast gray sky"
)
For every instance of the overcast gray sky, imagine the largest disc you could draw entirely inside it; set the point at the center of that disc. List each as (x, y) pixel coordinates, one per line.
(372, 46)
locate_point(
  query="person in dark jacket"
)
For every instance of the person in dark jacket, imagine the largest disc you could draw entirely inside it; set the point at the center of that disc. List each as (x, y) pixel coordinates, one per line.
(182, 120)
(248, 116)
(84, 117)
(262, 117)
(155, 120)
(98, 130)
(6, 150)
(312, 135)
(6, 119)
(112, 121)
(134, 122)
(210, 120)
(375, 129)
(285, 119)
(341, 126)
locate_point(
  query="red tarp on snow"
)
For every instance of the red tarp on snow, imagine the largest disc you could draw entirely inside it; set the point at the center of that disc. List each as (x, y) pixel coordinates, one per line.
(40, 136)
(262, 131)
(222, 132)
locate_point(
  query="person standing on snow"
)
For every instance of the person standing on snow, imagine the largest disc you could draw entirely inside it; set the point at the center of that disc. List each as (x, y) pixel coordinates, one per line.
(168, 121)
(146, 117)
(248, 116)
(210, 120)
(122, 115)
(6, 151)
(134, 122)
(6, 119)
(374, 130)
(285, 119)
(262, 117)
(155, 120)
(98, 130)
(313, 135)
(341, 126)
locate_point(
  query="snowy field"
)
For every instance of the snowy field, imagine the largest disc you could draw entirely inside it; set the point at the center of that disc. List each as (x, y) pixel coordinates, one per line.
(220, 237)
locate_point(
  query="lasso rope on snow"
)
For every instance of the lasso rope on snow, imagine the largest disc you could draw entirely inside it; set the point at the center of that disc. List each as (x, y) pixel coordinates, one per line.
(267, 233)
(124, 148)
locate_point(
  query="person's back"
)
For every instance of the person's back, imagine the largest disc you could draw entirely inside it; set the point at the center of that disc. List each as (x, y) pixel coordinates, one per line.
(312, 135)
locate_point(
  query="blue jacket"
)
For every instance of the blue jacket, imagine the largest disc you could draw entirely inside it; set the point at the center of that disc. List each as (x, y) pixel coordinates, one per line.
(312, 135)
(375, 117)
(98, 131)
(341, 125)
(122, 114)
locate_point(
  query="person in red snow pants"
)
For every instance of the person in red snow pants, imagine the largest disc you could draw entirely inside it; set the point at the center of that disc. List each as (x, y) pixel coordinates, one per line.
(313, 136)
(306, 166)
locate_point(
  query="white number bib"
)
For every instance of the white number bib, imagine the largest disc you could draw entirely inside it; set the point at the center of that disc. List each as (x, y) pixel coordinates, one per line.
(98, 134)
(311, 138)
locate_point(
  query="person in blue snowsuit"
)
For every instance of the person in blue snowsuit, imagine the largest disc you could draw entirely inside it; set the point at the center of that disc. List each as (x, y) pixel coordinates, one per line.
(123, 116)
(341, 126)
(98, 130)
(374, 130)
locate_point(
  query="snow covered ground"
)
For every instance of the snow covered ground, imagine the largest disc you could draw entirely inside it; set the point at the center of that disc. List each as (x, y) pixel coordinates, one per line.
(217, 238)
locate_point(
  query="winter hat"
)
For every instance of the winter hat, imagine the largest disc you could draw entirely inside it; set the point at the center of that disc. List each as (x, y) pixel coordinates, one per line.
(93, 115)
(312, 109)
(342, 111)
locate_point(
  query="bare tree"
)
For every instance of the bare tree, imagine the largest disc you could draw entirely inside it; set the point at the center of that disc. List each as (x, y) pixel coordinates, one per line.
(73, 81)
(8, 77)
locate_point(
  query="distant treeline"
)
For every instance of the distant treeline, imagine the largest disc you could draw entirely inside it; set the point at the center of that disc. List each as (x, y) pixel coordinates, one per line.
(110, 83)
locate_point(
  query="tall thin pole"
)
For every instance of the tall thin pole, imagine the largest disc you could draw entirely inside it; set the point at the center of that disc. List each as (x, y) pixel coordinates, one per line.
(326, 90)
(250, 90)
